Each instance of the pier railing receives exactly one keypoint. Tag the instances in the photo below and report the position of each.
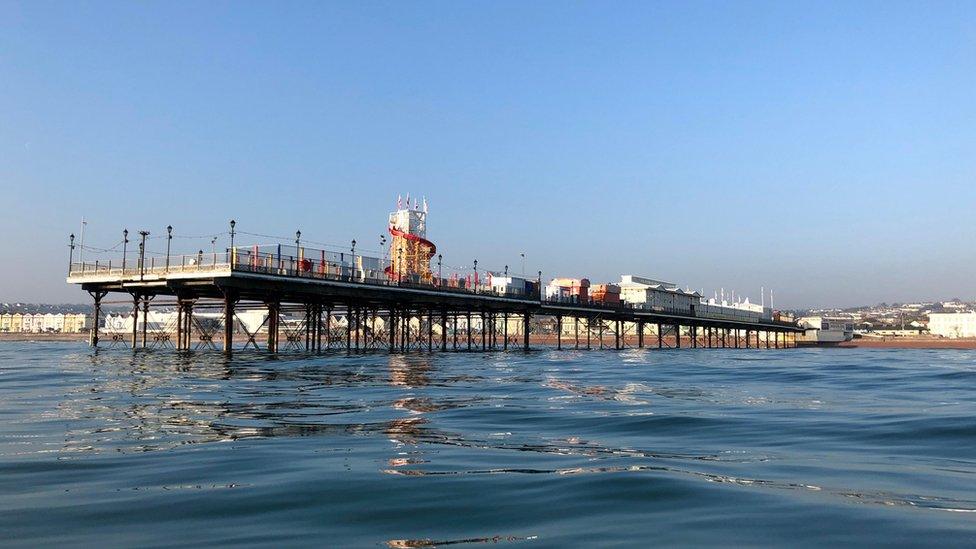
(350, 268)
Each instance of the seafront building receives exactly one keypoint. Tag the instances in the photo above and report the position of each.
(953, 325)
(36, 323)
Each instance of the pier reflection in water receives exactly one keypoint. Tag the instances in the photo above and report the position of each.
(436, 449)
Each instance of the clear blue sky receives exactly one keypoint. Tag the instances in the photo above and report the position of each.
(827, 150)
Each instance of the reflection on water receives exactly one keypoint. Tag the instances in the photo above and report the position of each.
(781, 424)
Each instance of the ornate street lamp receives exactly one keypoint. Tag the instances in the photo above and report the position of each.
(71, 252)
(125, 241)
(298, 241)
(440, 270)
(142, 252)
(169, 238)
(232, 225)
(475, 276)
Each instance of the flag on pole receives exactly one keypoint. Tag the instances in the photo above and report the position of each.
(399, 202)
(425, 204)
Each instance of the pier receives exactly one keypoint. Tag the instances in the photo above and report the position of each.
(318, 300)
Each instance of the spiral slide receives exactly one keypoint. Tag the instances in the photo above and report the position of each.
(415, 238)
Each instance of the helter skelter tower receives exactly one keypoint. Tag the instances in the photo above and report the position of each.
(410, 251)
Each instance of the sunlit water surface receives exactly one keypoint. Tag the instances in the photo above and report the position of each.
(719, 447)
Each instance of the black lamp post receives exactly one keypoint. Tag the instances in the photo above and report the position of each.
(440, 270)
(353, 250)
(475, 276)
(298, 242)
(142, 252)
(506, 271)
(540, 285)
(169, 238)
(125, 241)
(232, 225)
(383, 246)
(71, 251)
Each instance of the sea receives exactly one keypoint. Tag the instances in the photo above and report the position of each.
(631, 448)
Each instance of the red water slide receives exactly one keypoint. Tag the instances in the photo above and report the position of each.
(396, 232)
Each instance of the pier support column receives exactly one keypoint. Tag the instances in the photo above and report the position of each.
(145, 318)
(616, 335)
(576, 332)
(725, 332)
(640, 334)
(96, 317)
(349, 323)
(709, 337)
(748, 336)
(318, 328)
(274, 310)
(660, 337)
(559, 332)
(443, 329)
(228, 323)
(391, 329)
(135, 320)
(677, 336)
(469, 330)
(505, 330)
(694, 337)
(526, 318)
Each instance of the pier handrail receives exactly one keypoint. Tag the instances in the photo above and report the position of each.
(348, 268)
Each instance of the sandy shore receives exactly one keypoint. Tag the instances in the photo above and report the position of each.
(911, 343)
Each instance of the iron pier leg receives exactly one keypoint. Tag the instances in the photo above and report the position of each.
(145, 319)
(576, 332)
(188, 321)
(640, 334)
(391, 329)
(135, 321)
(660, 337)
(179, 324)
(483, 341)
(559, 332)
(525, 330)
(469, 330)
(273, 327)
(454, 334)
(677, 336)
(318, 329)
(443, 329)
(588, 336)
(748, 337)
(348, 328)
(228, 324)
(97, 297)
(359, 325)
(616, 335)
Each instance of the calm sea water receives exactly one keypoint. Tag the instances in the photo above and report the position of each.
(682, 447)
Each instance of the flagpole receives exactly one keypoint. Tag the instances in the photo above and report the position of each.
(81, 253)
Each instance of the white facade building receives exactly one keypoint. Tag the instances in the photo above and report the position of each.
(953, 325)
(647, 293)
